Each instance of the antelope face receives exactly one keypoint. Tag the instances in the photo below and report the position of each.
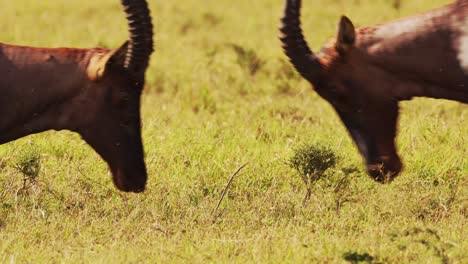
(369, 117)
(111, 106)
(114, 132)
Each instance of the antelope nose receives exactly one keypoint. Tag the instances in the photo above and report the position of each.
(130, 182)
(138, 190)
(134, 186)
(384, 169)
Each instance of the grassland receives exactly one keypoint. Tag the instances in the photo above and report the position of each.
(220, 93)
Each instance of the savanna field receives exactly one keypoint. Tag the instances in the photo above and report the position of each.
(219, 94)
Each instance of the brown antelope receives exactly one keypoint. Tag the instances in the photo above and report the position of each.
(363, 73)
(95, 92)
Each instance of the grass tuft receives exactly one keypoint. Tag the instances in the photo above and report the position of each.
(248, 59)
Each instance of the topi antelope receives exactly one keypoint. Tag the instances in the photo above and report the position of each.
(363, 73)
(94, 92)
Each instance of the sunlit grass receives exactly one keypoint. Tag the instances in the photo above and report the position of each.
(220, 93)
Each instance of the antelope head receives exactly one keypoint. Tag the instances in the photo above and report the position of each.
(342, 75)
(117, 77)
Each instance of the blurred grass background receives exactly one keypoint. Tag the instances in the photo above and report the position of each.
(221, 93)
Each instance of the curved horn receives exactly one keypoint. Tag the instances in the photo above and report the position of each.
(141, 35)
(294, 44)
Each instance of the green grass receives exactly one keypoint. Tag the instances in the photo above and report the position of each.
(221, 93)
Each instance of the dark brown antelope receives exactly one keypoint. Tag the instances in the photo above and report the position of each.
(95, 92)
(364, 73)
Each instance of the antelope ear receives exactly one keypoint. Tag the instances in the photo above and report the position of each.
(346, 35)
(100, 65)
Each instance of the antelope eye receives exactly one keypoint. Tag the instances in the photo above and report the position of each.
(119, 99)
(338, 93)
(123, 102)
(338, 97)
(341, 98)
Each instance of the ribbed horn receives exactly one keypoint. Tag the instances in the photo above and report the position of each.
(141, 35)
(294, 44)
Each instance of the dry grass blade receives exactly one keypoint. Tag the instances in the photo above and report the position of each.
(227, 186)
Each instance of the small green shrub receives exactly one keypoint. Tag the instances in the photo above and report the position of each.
(28, 163)
(311, 162)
